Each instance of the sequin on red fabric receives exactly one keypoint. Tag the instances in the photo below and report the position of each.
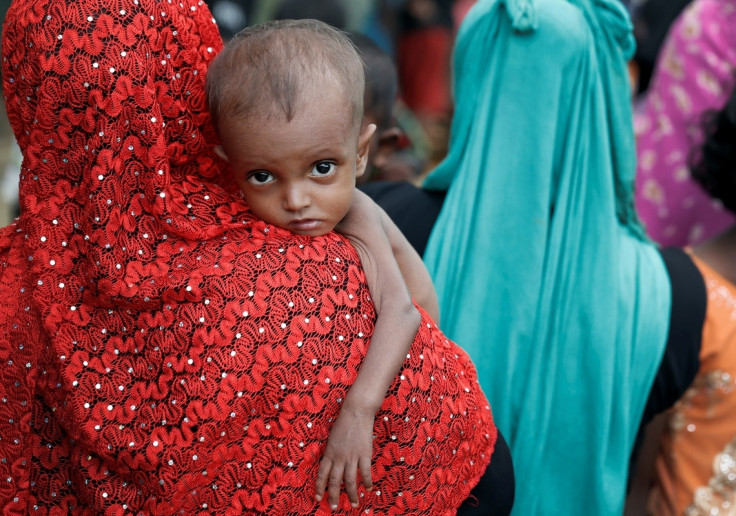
(161, 351)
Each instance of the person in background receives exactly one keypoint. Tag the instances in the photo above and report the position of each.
(652, 21)
(424, 38)
(696, 461)
(695, 72)
(392, 156)
(581, 329)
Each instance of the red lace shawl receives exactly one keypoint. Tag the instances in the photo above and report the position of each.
(162, 351)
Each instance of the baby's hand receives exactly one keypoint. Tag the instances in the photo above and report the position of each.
(349, 449)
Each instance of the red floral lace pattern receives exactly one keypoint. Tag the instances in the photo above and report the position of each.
(162, 351)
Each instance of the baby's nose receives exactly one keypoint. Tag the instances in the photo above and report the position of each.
(296, 199)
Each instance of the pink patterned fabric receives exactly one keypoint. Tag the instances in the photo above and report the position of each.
(694, 74)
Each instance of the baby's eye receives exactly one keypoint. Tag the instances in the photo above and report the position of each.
(323, 168)
(260, 177)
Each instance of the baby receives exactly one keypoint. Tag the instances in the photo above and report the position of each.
(287, 98)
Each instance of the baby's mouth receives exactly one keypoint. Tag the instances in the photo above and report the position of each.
(304, 225)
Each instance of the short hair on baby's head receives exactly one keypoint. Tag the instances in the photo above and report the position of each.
(264, 69)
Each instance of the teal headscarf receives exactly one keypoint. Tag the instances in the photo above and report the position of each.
(540, 263)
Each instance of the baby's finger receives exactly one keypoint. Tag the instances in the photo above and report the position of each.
(351, 484)
(364, 464)
(323, 474)
(333, 485)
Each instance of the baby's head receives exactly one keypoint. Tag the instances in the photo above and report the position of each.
(286, 98)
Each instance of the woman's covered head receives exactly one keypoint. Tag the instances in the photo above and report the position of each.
(110, 101)
(107, 104)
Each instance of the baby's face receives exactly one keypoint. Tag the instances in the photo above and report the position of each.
(299, 175)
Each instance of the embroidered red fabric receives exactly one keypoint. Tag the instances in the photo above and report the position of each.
(162, 351)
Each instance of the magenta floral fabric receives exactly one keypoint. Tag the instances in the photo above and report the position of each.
(694, 74)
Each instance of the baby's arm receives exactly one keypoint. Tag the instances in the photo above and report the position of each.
(412, 267)
(350, 445)
(414, 272)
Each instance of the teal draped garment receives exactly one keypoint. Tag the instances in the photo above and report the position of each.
(541, 267)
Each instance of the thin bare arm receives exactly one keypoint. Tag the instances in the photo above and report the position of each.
(412, 267)
(350, 445)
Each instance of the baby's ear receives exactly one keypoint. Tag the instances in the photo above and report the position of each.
(220, 151)
(364, 143)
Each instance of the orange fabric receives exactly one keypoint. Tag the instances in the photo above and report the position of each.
(698, 449)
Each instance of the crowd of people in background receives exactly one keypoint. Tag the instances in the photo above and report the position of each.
(417, 37)
(565, 170)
